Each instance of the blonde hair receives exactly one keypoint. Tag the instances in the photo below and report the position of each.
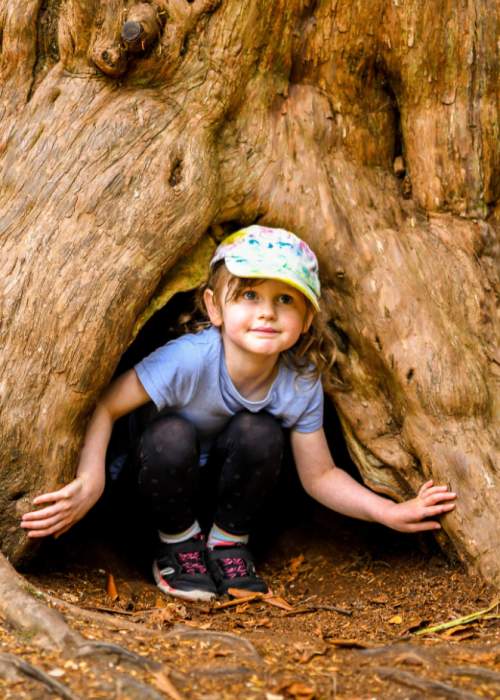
(315, 352)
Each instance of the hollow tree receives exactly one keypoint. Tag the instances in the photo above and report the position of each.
(134, 134)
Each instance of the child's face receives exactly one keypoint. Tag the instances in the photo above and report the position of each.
(266, 319)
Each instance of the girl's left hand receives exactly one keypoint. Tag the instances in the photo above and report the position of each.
(412, 516)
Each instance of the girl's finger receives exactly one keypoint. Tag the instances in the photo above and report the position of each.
(438, 497)
(50, 497)
(436, 510)
(42, 523)
(34, 534)
(423, 526)
(43, 513)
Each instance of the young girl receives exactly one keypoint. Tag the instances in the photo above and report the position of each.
(224, 396)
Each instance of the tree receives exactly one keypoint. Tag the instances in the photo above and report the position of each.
(132, 135)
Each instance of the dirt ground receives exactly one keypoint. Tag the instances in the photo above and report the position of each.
(348, 600)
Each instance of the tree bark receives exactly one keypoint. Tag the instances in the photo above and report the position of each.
(368, 127)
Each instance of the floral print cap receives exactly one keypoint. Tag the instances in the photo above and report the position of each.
(271, 253)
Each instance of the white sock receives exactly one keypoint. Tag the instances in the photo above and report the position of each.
(218, 536)
(192, 531)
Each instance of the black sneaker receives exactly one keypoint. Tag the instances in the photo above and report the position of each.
(181, 570)
(232, 567)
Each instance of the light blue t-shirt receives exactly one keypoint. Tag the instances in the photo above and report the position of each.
(189, 376)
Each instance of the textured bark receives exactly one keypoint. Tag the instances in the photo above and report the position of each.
(120, 159)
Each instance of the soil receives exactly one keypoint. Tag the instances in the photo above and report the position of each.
(348, 601)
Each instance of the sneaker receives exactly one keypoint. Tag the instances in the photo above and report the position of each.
(232, 567)
(181, 570)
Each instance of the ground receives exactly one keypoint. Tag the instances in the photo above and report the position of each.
(348, 599)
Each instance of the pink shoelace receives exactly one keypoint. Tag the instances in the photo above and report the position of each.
(192, 563)
(234, 567)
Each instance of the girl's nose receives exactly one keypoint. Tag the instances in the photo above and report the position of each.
(267, 309)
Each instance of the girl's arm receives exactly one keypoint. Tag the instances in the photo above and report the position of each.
(334, 488)
(70, 503)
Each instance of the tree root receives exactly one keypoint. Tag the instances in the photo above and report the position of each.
(483, 674)
(430, 687)
(22, 607)
(100, 649)
(221, 637)
(13, 668)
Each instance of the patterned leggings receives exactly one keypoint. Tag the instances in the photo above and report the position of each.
(242, 469)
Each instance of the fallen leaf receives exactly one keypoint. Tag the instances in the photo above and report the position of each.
(396, 620)
(310, 654)
(57, 672)
(164, 684)
(348, 643)
(382, 598)
(296, 563)
(301, 691)
(111, 589)
(242, 593)
(278, 602)
(157, 618)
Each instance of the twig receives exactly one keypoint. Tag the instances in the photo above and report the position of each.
(318, 608)
(9, 661)
(458, 621)
(429, 687)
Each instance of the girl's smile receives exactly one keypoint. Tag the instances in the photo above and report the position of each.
(264, 320)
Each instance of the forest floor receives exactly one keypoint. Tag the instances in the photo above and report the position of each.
(348, 599)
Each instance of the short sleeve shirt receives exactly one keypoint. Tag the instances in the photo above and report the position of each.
(189, 376)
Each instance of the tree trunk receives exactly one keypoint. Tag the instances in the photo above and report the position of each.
(132, 134)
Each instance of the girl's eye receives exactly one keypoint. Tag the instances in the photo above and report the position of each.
(249, 295)
(286, 299)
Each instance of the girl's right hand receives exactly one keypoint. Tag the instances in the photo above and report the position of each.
(67, 506)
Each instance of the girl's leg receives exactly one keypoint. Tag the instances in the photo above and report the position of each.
(167, 457)
(249, 453)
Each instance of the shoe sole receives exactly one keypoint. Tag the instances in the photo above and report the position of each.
(164, 586)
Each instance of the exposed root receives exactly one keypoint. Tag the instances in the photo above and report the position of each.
(232, 640)
(22, 607)
(100, 649)
(429, 687)
(484, 674)
(12, 668)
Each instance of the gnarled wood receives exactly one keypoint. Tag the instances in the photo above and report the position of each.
(288, 113)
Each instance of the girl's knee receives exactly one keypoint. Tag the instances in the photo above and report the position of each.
(171, 439)
(258, 434)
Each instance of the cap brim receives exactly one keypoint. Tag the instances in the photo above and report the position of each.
(240, 269)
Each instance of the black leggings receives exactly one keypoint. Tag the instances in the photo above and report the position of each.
(243, 467)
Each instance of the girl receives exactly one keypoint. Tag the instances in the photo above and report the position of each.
(224, 396)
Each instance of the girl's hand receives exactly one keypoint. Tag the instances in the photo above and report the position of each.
(67, 506)
(411, 516)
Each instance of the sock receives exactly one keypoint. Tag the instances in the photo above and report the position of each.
(192, 531)
(218, 537)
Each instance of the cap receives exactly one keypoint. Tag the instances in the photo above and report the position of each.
(271, 253)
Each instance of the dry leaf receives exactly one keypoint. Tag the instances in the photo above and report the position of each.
(396, 620)
(163, 683)
(309, 654)
(278, 602)
(242, 593)
(348, 643)
(382, 598)
(111, 589)
(300, 691)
